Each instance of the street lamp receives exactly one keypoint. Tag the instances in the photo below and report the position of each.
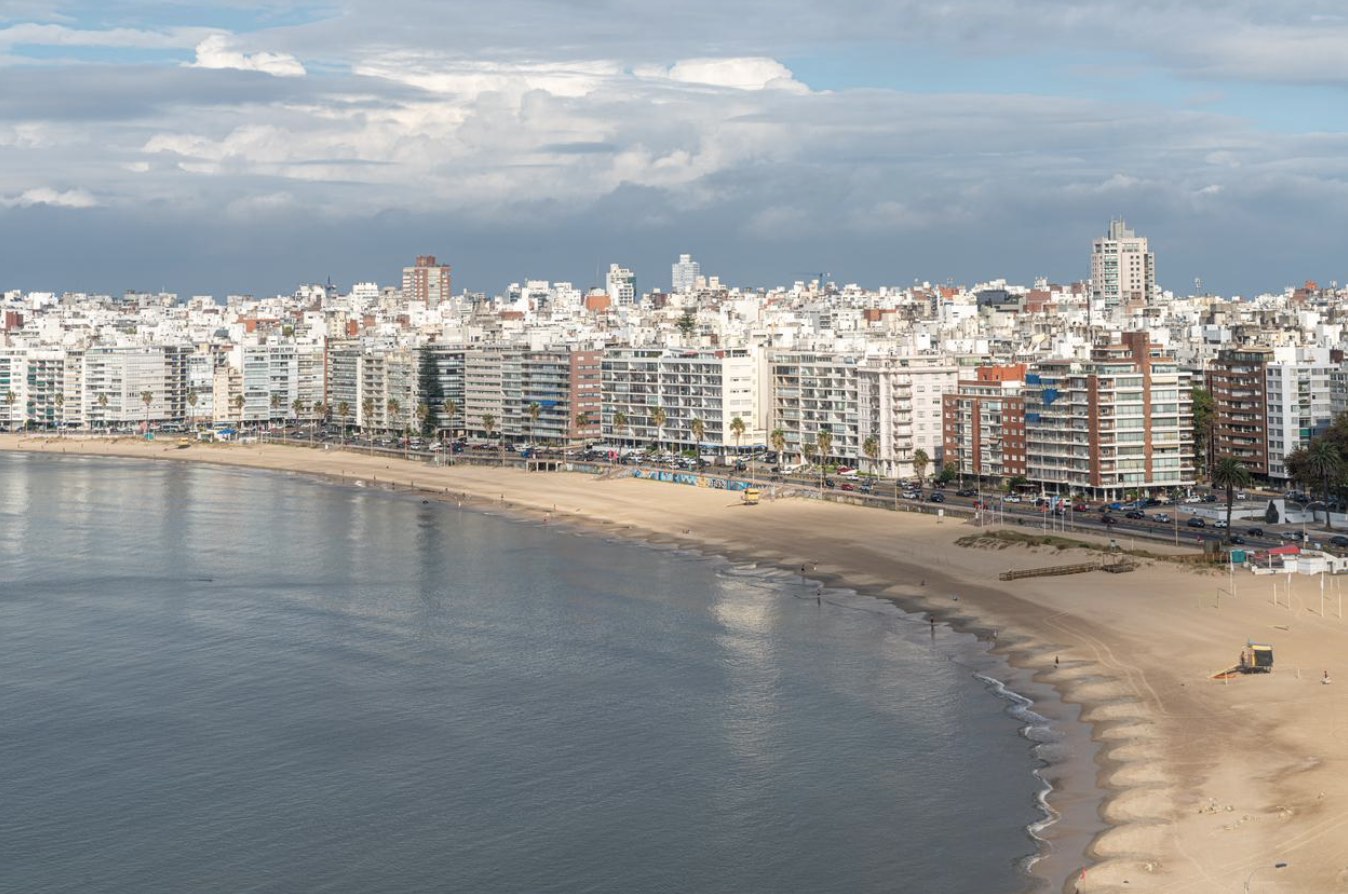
(1250, 878)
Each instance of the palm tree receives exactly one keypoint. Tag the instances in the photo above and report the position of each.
(737, 432)
(824, 443)
(275, 403)
(239, 401)
(394, 408)
(103, 409)
(535, 410)
(920, 461)
(698, 428)
(147, 398)
(60, 401)
(1230, 473)
(658, 418)
(343, 410)
(192, 404)
(367, 415)
(489, 425)
(582, 423)
(451, 409)
(871, 447)
(313, 423)
(778, 441)
(297, 407)
(1325, 464)
(10, 398)
(619, 420)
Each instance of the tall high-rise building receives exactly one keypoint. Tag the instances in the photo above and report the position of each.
(427, 282)
(621, 285)
(685, 274)
(1122, 269)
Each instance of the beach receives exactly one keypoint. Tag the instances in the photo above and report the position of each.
(1200, 782)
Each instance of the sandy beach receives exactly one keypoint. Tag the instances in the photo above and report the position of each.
(1194, 784)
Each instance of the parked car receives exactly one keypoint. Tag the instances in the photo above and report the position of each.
(1338, 540)
(1196, 523)
(1210, 498)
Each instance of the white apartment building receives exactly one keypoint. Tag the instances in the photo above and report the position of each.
(1300, 401)
(900, 404)
(128, 386)
(709, 387)
(621, 285)
(1122, 268)
(815, 392)
(684, 275)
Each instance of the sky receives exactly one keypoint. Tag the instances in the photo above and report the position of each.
(223, 146)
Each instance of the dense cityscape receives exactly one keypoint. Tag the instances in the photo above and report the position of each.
(1085, 387)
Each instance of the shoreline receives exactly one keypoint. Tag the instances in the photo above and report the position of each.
(1168, 743)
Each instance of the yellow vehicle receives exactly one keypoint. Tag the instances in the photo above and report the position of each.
(184, 442)
(749, 496)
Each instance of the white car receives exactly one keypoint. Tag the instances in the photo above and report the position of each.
(1219, 523)
(1010, 498)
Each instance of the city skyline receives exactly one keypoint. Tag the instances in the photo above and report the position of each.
(217, 148)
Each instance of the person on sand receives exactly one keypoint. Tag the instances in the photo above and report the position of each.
(1325, 678)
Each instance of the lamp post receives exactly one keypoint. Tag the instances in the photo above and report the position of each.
(1250, 878)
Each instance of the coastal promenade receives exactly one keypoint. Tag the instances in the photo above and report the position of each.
(1202, 782)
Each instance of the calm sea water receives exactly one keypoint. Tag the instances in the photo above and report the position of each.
(214, 680)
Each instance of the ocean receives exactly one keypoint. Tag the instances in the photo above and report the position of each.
(219, 680)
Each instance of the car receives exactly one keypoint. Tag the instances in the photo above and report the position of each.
(847, 485)
(1108, 520)
(936, 497)
(1254, 532)
(1193, 499)
(1219, 523)
(1196, 523)
(829, 482)
(1162, 518)
(966, 492)
(912, 495)
(1338, 540)
(1135, 513)
(1010, 498)
(1210, 498)
(1081, 507)
(1237, 540)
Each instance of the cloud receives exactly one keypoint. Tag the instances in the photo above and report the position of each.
(218, 51)
(48, 35)
(70, 198)
(740, 74)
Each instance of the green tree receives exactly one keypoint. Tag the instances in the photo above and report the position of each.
(1324, 464)
(192, 400)
(239, 401)
(824, 444)
(737, 429)
(534, 411)
(489, 425)
(698, 428)
(619, 421)
(344, 411)
(687, 323)
(147, 398)
(777, 439)
(297, 407)
(367, 419)
(103, 409)
(450, 416)
(10, 399)
(60, 401)
(583, 422)
(920, 463)
(1204, 412)
(658, 419)
(275, 403)
(1230, 473)
(871, 448)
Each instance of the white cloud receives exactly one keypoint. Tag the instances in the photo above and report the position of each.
(32, 33)
(70, 198)
(744, 73)
(218, 51)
